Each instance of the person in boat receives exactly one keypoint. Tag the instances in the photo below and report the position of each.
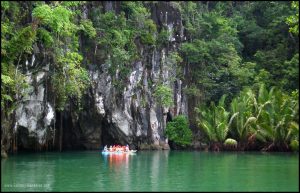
(110, 148)
(105, 148)
(127, 148)
(119, 148)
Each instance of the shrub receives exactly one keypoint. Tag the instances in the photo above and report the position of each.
(178, 131)
(163, 95)
(230, 142)
(294, 145)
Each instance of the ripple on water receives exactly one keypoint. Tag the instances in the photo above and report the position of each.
(151, 171)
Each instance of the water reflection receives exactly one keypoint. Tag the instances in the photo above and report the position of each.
(118, 171)
(115, 160)
(158, 169)
(143, 171)
(38, 172)
(152, 171)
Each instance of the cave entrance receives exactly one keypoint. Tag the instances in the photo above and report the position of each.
(30, 142)
(24, 142)
(67, 136)
(78, 133)
(169, 117)
(90, 132)
(106, 137)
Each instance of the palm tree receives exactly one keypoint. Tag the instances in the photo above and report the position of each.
(244, 121)
(293, 135)
(275, 112)
(214, 122)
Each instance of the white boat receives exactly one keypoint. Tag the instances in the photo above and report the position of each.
(118, 152)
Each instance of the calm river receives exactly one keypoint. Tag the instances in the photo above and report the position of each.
(151, 171)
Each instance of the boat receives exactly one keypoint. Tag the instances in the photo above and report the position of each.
(118, 152)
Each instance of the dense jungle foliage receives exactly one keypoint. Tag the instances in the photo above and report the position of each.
(242, 56)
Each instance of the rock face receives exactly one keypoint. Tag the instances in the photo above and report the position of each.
(132, 117)
(34, 112)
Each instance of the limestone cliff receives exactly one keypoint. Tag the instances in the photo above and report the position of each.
(130, 116)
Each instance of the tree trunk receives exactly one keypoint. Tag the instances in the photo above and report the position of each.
(16, 142)
(54, 126)
(61, 133)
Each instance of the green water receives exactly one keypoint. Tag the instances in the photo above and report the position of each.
(151, 171)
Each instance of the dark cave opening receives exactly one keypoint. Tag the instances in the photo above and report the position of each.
(24, 141)
(106, 137)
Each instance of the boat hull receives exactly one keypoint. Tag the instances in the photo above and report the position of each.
(118, 152)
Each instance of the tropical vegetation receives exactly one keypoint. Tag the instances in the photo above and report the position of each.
(178, 131)
(266, 120)
(238, 62)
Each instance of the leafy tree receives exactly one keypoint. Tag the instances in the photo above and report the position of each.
(293, 20)
(117, 37)
(267, 42)
(290, 74)
(163, 95)
(72, 80)
(59, 28)
(211, 52)
(16, 43)
(178, 131)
